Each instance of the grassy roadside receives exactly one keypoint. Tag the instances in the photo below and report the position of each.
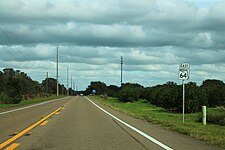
(212, 134)
(29, 101)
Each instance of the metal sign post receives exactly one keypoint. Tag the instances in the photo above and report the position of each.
(184, 73)
(183, 98)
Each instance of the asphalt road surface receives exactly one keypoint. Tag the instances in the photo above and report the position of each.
(75, 123)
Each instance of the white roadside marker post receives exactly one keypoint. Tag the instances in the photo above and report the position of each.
(204, 115)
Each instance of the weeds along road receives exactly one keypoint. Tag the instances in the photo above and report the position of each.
(78, 123)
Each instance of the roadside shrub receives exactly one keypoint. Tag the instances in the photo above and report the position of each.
(216, 118)
(4, 99)
(128, 94)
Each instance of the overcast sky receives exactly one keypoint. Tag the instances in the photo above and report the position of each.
(153, 36)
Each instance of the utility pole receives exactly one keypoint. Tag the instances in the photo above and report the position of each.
(67, 82)
(47, 83)
(57, 70)
(74, 89)
(121, 70)
(71, 85)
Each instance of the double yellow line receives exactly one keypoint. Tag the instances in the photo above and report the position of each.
(27, 129)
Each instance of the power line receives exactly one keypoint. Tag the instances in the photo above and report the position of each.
(12, 43)
(9, 53)
(6, 51)
(41, 31)
(14, 55)
(34, 15)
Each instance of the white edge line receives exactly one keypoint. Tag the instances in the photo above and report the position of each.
(133, 128)
(6, 112)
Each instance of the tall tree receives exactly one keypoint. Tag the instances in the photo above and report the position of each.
(215, 90)
(99, 87)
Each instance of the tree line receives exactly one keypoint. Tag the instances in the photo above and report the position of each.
(168, 96)
(16, 85)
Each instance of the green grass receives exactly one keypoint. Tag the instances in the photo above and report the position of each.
(29, 101)
(212, 134)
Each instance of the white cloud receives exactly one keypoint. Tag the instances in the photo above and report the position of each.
(204, 39)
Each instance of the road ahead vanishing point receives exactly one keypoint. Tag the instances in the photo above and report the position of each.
(79, 123)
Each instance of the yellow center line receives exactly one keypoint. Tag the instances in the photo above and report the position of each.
(13, 146)
(57, 113)
(27, 129)
(44, 123)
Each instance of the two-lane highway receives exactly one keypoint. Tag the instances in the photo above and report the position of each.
(81, 124)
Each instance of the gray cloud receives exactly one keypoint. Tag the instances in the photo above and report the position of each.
(153, 36)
